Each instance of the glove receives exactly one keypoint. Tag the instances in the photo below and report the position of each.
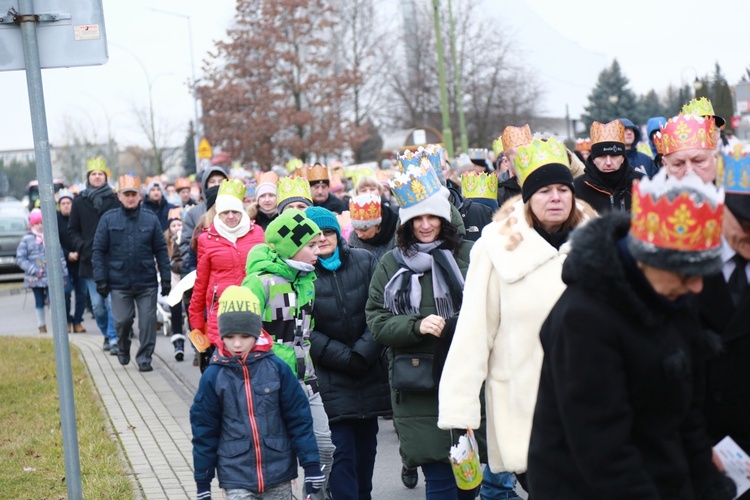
(165, 289)
(204, 491)
(102, 288)
(314, 479)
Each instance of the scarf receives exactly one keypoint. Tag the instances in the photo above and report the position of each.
(332, 263)
(403, 293)
(96, 195)
(39, 236)
(232, 234)
(302, 267)
(555, 239)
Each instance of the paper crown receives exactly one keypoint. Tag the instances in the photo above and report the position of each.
(417, 182)
(514, 137)
(433, 153)
(477, 153)
(613, 131)
(583, 144)
(701, 107)
(128, 182)
(317, 173)
(365, 211)
(232, 187)
(686, 132)
(63, 193)
(292, 187)
(250, 185)
(182, 183)
(644, 148)
(293, 165)
(497, 146)
(537, 154)
(174, 214)
(97, 163)
(269, 177)
(407, 160)
(356, 174)
(736, 174)
(482, 185)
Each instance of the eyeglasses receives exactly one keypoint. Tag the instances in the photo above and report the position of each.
(329, 232)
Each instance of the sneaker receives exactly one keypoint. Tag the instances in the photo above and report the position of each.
(113, 350)
(124, 359)
(179, 350)
(43, 329)
(145, 367)
(78, 328)
(106, 345)
(409, 477)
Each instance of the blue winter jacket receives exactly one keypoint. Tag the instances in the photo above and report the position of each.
(640, 162)
(30, 257)
(125, 245)
(251, 442)
(652, 125)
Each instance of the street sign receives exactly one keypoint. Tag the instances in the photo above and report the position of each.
(69, 33)
(204, 150)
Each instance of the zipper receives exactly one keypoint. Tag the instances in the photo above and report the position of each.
(253, 427)
(339, 295)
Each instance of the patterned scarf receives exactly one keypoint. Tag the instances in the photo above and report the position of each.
(403, 293)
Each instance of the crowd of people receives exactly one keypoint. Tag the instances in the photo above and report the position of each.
(584, 312)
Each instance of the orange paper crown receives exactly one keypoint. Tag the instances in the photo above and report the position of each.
(686, 132)
(269, 177)
(317, 173)
(515, 136)
(583, 144)
(679, 223)
(365, 211)
(128, 182)
(613, 131)
(182, 183)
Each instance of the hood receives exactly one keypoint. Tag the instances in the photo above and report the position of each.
(458, 221)
(637, 130)
(263, 259)
(652, 126)
(262, 346)
(207, 173)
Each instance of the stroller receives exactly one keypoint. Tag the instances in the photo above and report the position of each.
(164, 322)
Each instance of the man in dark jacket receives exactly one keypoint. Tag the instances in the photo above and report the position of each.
(74, 283)
(157, 203)
(618, 414)
(126, 242)
(639, 161)
(608, 177)
(320, 187)
(87, 209)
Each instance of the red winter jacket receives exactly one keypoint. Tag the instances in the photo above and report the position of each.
(220, 264)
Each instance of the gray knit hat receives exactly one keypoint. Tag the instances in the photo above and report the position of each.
(239, 312)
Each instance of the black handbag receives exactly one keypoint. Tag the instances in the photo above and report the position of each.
(413, 372)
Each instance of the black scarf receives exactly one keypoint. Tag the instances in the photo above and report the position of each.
(555, 239)
(387, 228)
(97, 195)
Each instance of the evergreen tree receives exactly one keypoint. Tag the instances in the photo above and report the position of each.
(702, 88)
(722, 97)
(189, 162)
(611, 98)
(674, 98)
(648, 107)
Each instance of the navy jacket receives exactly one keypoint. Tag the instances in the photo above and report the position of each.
(252, 444)
(161, 209)
(125, 245)
(641, 162)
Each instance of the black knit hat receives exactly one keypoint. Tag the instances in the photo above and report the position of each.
(552, 173)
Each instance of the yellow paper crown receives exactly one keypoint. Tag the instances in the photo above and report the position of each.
(293, 165)
(514, 137)
(232, 187)
(317, 173)
(482, 185)
(613, 131)
(497, 146)
(291, 187)
(702, 107)
(686, 132)
(537, 154)
(128, 182)
(97, 163)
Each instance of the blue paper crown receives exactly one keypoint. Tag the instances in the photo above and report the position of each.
(408, 159)
(736, 174)
(433, 153)
(478, 153)
(417, 183)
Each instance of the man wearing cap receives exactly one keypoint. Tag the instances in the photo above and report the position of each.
(74, 283)
(156, 202)
(608, 177)
(85, 213)
(618, 414)
(126, 243)
(724, 309)
(320, 185)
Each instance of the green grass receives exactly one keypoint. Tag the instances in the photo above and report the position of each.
(32, 464)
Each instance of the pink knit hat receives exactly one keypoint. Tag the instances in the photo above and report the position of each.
(35, 217)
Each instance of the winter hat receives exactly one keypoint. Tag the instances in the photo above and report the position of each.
(266, 184)
(152, 182)
(365, 211)
(239, 312)
(675, 224)
(418, 189)
(541, 163)
(607, 139)
(35, 217)
(323, 218)
(230, 196)
(289, 232)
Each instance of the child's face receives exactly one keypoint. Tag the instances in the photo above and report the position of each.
(309, 253)
(238, 344)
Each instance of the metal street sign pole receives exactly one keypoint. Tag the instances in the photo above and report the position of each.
(27, 20)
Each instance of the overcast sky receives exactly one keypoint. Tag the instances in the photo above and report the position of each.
(566, 43)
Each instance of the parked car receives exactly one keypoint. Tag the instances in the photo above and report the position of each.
(14, 224)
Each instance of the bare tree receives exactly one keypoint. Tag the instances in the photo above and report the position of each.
(83, 139)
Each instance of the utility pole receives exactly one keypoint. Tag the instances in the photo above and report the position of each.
(447, 133)
(457, 82)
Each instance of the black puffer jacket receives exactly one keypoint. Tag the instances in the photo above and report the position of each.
(352, 367)
(606, 195)
(84, 218)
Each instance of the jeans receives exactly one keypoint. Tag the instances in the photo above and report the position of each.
(102, 312)
(323, 437)
(124, 303)
(40, 297)
(75, 284)
(356, 442)
(497, 486)
(440, 484)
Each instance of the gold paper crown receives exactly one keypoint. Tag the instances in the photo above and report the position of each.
(292, 187)
(293, 165)
(482, 185)
(174, 214)
(232, 187)
(613, 131)
(497, 146)
(537, 154)
(702, 107)
(514, 137)
(583, 144)
(365, 208)
(269, 177)
(129, 182)
(317, 173)
(182, 183)
(97, 163)
(686, 132)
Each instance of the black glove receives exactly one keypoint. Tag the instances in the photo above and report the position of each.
(102, 288)
(314, 479)
(165, 289)
(204, 491)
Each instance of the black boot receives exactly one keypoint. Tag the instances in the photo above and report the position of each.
(179, 350)
(409, 477)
